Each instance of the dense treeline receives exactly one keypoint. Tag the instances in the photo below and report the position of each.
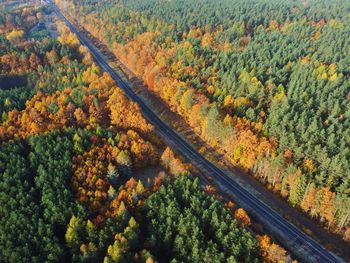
(71, 144)
(206, 13)
(21, 222)
(204, 229)
(265, 82)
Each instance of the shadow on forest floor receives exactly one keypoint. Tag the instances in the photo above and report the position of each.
(8, 82)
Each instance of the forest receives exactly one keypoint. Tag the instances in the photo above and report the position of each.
(264, 82)
(73, 154)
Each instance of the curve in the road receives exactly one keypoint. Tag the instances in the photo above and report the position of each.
(261, 210)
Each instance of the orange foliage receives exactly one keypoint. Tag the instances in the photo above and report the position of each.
(316, 35)
(12, 63)
(173, 164)
(126, 114)
(242, 216)
(273, 25)
(138, 53)
(128, 198)
(230, 205)
(272, 252)
(101, 103)
(327, 210)
(90, 181)
(245, 146)
(309, 201)
(158, 180)
(209, 189)
(288, 154)
(347, 235)
(149, 62)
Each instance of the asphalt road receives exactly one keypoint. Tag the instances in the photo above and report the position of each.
(308, 249)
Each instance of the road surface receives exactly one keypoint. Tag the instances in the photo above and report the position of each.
(308, 249)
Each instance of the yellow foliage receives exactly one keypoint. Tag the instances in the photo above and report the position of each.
(228, 120)
(309, 165)
(228, 101)
(316, 35)
(241, 101)
(211, 89)
(305, 60)
(15, 35)
(87, 57)
(207, 40)
(188, 44)
(217, 92)
(226, 46)
(289, 65)
(333, 77)
(324, 75)
(66, 36)
(161, 59)
(280, 96)
(286, 26)
(255, 80)
(39, 15)
(273, 25)
(336, 24)
(332, 69)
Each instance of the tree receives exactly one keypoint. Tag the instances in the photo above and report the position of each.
(309, 201)
(277, 254)
(15, 35)
(347, 235)
(111, 193)
(118, 252)
(140, 189)
(327, 206)
(124, 162)
(209, 189)
(91, 229)
(132, 233)
(242, 216)
(112, 172)
(125, 114)
(74, 232)
(297, 190)
(34, 61)
(80, 116)
(167, 157)
(52, 57)
(212, 126)
(186, 102)
(173, 164)
(184, 204)
(272, 252)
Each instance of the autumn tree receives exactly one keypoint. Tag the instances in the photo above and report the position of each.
(242, 216)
